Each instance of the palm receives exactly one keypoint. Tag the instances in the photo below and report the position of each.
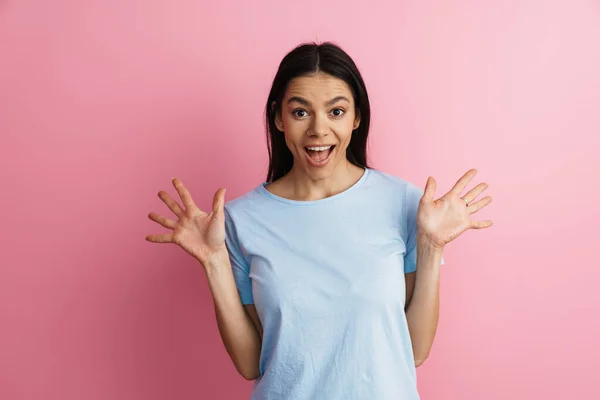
(446, 218)
(198, 233)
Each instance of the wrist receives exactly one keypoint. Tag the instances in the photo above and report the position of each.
(215, 259)
(426, 243)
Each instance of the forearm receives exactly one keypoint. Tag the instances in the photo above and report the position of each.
(422, 312)
(240, 336)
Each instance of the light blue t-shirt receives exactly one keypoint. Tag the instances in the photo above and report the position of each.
(327, 281)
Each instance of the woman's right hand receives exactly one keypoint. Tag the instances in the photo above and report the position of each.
(200, 234)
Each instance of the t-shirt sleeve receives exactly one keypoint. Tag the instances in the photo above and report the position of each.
(413, 197)
(239, 264)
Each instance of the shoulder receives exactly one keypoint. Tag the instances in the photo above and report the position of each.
(245, 203)
(397, 196)
(394, 183)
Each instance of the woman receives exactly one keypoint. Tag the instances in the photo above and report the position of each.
(325, 277)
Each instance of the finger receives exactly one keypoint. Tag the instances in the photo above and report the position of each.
(481, 224)
(479, 204)
(462, 183)
(185, 195)
(475, 192)
(219, 202)
(163, 238)
(429, 190)
(166, 222)
(172, 204)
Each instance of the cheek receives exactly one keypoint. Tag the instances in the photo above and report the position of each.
(293, 138)
(345, 133)
(294, 129)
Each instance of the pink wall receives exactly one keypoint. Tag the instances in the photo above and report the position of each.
(102, 102)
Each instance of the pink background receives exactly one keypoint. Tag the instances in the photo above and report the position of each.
(102, 102)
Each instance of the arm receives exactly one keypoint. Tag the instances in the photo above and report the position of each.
(439, 222)
(422, 299)
(238, 331)
(202, 235)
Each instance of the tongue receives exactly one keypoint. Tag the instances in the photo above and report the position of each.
(318, 156)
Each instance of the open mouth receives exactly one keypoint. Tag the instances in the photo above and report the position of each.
(319, 155)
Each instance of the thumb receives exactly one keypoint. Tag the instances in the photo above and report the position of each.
(219, 202)
(430, 187)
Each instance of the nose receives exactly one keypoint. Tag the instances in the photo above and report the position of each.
(319, 126)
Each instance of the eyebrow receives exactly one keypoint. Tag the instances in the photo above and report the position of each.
(307, 103)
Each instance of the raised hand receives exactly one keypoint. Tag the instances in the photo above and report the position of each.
(200, 234)
(446, 218)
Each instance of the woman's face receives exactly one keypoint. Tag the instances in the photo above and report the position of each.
(317, 117)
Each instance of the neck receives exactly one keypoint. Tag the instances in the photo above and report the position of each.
(303, 186)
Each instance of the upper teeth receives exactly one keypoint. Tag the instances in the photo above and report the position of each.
(321, 148)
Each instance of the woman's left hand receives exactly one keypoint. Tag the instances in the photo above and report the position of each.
(443, 220)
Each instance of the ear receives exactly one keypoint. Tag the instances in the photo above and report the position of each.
(278, 121)
(356, 120)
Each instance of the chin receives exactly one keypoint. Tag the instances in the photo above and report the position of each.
(321, 172)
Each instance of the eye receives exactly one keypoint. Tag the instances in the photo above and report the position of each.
(337, 112)
(299, 113)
